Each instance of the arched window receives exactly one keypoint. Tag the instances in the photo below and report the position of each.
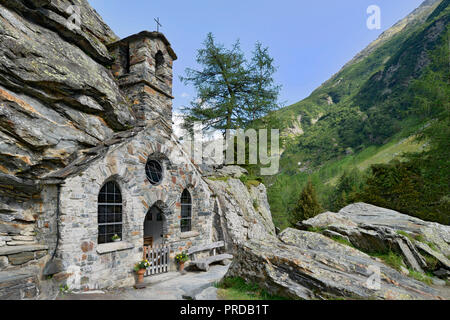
(109, 212)
(159, 64)
(186, 211)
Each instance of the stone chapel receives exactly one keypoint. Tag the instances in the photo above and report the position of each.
(92, 177)
(138, 185)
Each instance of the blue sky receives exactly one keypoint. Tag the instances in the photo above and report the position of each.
(309, 40)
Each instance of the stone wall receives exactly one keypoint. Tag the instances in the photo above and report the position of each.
(27, 228)
(143, 67)
(149, 103)
(15, 286)
(89, 265)
(27, 239)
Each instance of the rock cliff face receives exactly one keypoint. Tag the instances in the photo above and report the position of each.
(57, 94)
(57, 98)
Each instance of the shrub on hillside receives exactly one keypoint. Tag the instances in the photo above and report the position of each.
(347, 190)
(401, 186)
(307, 205)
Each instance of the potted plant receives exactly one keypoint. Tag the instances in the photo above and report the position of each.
(115, 238)
(181, 259)
(140, 269)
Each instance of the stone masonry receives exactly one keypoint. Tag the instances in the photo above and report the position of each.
(143, 67)
(90, 265)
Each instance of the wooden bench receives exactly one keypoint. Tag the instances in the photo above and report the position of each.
(203, 264)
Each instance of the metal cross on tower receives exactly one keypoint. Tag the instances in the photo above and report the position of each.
(158, 24)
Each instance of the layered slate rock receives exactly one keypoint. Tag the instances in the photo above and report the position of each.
(57, 94)
(74, 20)
(375, 229)
(307, 265)
(18, 286)
(58, 100)
(242, 212)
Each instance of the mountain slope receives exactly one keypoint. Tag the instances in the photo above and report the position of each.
(386, 94)
(349, 79)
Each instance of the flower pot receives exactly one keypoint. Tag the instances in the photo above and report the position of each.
(181, 266)
(117, 240)
(140, 274)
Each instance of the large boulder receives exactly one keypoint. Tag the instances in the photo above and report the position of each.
(242, 211)
(307, 265)
(375, 229)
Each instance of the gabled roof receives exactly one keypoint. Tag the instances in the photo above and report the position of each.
(87, 156)
(146, 34)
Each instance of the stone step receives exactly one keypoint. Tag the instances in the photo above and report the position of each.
(209, 293)
(190, 293)
(15, 285)
(4, 251)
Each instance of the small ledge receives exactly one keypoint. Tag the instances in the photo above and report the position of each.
(10, 276)
(7, 250)
(114, 246)
(190, 234)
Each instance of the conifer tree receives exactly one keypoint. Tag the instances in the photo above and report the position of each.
(346, 191)
(231, 90)
(307, 206)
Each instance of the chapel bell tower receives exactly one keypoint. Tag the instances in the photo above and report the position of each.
(143, 67)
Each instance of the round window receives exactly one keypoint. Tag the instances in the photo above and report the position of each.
(154, 171)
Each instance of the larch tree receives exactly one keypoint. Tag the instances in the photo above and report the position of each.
(231, 91)
(307, 205)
